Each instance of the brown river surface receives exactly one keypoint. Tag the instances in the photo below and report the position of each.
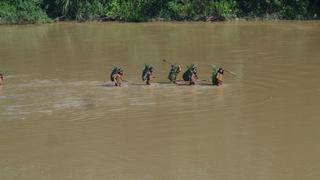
(61, 118)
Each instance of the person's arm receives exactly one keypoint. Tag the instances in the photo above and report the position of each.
(196, 77)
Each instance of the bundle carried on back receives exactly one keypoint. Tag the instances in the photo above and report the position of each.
(173, 72)
(114, 71)
(145, 71)
(188, 73)
(214, 70)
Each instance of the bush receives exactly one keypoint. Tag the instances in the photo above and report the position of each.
(22, 11)
(7, 13)
(225, 9)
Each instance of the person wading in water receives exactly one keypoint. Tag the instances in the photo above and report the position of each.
(217, 77)
(194, 77)
(147, 74)
(190, 75)
(117, 76)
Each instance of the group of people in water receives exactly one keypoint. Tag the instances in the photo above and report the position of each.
(190, 75)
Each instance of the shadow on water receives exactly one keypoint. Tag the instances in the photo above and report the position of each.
(106, 85)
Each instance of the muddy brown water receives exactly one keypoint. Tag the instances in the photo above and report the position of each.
(60, 117)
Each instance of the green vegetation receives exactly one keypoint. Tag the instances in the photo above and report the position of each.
(41, 11)
(22, 11)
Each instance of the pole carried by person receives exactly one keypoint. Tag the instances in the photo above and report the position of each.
(166, 61)
(230, 72)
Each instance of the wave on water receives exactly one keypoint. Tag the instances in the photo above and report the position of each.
(239, 51)
(2, 97)
(17, 76)
(47, 96)
(40, 83)
(55, 83)
(70, 102)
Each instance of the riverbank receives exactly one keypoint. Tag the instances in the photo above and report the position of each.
(47, 11)
(246, 19)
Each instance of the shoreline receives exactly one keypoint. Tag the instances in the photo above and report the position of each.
(238, 20)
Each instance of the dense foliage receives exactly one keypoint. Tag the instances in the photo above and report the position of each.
(22, 11)
(37, 11)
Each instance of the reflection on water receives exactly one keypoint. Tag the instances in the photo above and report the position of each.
(60, 117)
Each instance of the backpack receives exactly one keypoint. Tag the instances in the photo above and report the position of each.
(214, 74)
(173, 73)
(188, 73)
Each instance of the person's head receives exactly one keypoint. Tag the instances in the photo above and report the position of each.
(120, 72)
(1, 76)
(151, 69)
(194, 69)
(221, 70)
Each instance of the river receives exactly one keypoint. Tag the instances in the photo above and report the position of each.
(61, 117)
